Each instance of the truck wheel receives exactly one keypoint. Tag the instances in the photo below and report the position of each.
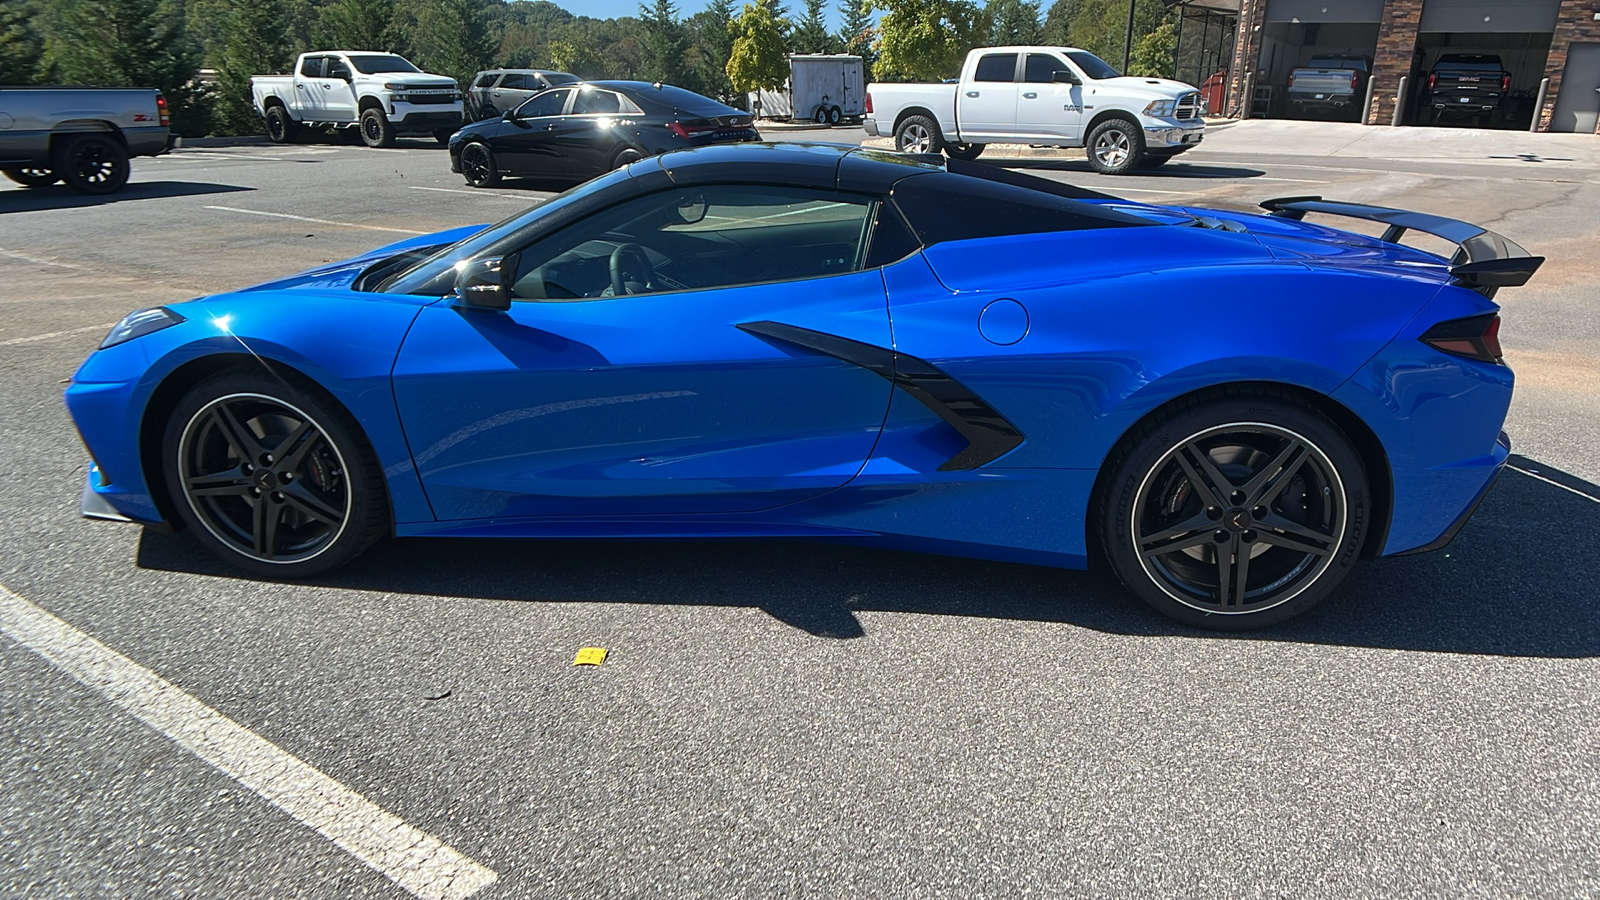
(834, 115)
(918, 134)
(1115, 147)
(963, 151)
(92, 163)
(821, 118)
(280, 128)
(33, 177)
(375, 129)
(477, 165)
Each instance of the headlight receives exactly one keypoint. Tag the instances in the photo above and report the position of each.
(139, 323)
(1161, 109)
(391, 86)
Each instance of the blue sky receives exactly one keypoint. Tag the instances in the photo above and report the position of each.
(611, 9)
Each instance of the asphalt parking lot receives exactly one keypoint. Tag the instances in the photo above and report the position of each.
(780, 719)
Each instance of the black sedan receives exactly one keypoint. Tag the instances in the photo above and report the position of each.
(574, 132)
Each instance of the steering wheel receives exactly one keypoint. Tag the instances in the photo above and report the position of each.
(629, 257)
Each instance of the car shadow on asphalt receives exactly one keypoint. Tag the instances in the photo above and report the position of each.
(60, 196)
(1517, 581)
(1172, 169)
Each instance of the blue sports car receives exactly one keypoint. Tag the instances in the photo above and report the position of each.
(805, 341)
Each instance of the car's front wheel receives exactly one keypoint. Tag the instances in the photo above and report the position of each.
(272, 475)
(376, 130)
(1115, 147)
(1236, 513)
(32, 177)
(478, 165)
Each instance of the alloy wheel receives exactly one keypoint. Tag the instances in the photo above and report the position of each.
(264, 478)
(1112, 148)
(475, 164)
(1239, 518)
(915, 139)
(93, 163)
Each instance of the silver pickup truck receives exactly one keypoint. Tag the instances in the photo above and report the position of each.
(83, 136)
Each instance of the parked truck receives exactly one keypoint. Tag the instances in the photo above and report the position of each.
(380, 94)
(1330, 85)
(1467, 86)
(1055, 96)
(83, 136)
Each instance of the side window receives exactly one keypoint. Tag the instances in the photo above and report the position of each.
(695, 238)
(336, 68)
(892, 239)
(311, 67)
(997, 67)
(1041, 68)
(594, 102)
(549, 103)
(515, 81)
(486, 79)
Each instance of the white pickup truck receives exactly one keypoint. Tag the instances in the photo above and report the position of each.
(380, 93)
(1049, 96)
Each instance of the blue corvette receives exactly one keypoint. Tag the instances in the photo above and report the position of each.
(802, 341)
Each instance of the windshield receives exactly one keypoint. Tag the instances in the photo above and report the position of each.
(377, 65)
(436, 276)
(1092, 66)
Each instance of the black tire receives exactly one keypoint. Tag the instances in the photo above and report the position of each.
(310, 500)
(376, 131)
(280, 128)
(478, 166)
(821, 116)
(835, 115)
(33, 176)
(918, 134)
(442, 135)
(625, 156)
(92, 163)
(1261, 472)
(964, 151)
(1115, 147)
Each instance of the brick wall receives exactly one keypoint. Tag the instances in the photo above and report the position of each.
(1576, 24)
(1397, 43)
(1246, 55)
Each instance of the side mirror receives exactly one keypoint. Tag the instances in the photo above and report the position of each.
(481, 284)
(1062, 76)
(509, 114)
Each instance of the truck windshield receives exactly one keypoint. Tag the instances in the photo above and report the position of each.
(1337, 62)
(1092, 66)
(377, 65)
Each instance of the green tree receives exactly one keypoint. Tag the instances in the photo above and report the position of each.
(926, 39)
(21, 46)
(810, 34)
(1058, 23)
(856, 33)
(757, 60)
(449, 37)
(710, 33)
(257, 42)
(665, 44)
(128, 43)
(357, 25)
(1013, 22)
(1101, 26)
(1155, 55)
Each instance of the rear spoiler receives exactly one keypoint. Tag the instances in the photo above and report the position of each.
(1483, 260)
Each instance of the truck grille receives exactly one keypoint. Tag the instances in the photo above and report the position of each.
(1189, 106)
(440, 97)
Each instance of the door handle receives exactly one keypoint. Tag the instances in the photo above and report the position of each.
(550, 127)
(972, 93)
(1031, 95)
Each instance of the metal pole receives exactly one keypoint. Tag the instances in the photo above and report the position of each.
(1248, 103)
(1538, 106)
(1177, 49)
(1366, 111)
(1400, 100)
(1127, 43)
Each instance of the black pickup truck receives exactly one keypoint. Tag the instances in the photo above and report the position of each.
(1467, 86)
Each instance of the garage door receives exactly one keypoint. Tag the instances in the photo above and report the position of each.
(1578, 107)
(1325, 10)
(1490, 15)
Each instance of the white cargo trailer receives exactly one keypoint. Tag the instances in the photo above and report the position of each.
(822, 87)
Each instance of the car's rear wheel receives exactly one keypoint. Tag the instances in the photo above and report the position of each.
(918, 134)
(280, 128)
(376, 131)
(272, 475)
(1236, 513)
(33, 177)
(92, 163)
(625, 156)
(478, 165)
(1115, 147)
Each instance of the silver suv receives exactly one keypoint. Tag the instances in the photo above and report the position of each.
(494, 91)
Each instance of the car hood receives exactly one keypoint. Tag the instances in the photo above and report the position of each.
(341, 274)
(1146, 88)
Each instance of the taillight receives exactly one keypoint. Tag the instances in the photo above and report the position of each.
(161, 107)
(1433, 78)
(869, 103)
(1291, 79)
(686, 131)
(1505, 82)
(1475, 338)
(1353, 75)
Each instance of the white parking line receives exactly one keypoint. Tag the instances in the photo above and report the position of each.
(55, 334)
(34, 259)
(277, 215)
(413, 859)
(418, 187)
(1556, 483)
